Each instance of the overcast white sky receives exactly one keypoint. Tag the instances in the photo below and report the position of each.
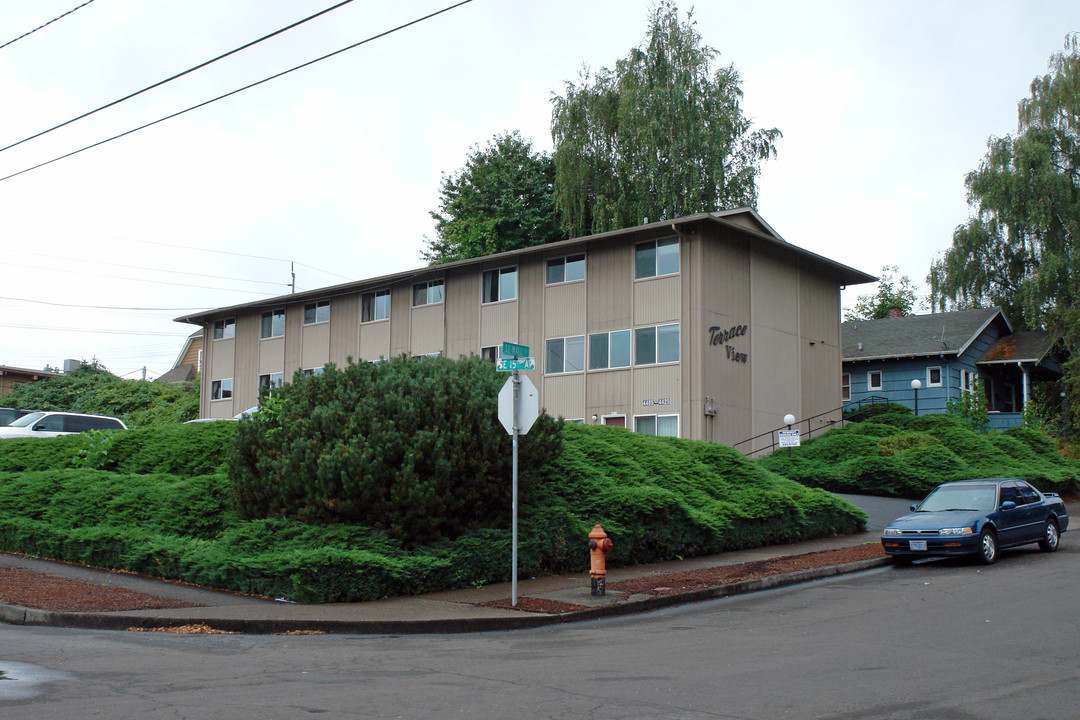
(884, 108)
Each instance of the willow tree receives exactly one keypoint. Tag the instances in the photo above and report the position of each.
(660, 136)
(1021, 247)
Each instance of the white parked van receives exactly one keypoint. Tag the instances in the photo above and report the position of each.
(51, 424)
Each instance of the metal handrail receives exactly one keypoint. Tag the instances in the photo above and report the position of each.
(846, 413)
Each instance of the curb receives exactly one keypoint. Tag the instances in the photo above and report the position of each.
(15, 615)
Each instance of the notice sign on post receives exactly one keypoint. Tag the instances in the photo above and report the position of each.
(789, 438)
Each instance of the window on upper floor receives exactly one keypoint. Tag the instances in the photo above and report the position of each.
(317, 312)
(609, 350)
(427, 293)
(565, 355)
(500, 285)
(375, 306)
(656, 257)
(224, 329)
(653, 345)
(565, 269)
(272, 324)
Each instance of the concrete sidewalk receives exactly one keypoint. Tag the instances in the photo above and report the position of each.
(444, 612)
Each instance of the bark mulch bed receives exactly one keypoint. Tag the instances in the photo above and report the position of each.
(46, 592)
(690, 580)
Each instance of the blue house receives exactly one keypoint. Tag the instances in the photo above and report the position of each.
(949, 354)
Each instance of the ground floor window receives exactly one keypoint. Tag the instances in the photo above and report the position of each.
(662, 425)
(933, 376)
(313, 372)
(968, 380)
(873, 380)
(490, 353)
(845, 386)
(271, 382)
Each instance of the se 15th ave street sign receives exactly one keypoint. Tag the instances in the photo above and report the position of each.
(506, 364)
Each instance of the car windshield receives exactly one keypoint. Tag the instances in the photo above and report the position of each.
(959, 497)
(27, 420)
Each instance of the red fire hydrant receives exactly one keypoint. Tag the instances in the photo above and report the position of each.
(599, 543)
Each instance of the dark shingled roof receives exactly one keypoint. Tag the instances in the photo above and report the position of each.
(1028, 346)
(936, 334)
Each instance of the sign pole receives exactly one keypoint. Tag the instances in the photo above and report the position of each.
(514, 503)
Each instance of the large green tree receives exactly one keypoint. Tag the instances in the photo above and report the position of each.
(661, 135)
(501, 200)
(1021, 248)
(890, 293)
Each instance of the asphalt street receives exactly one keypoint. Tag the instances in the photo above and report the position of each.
(942, 639)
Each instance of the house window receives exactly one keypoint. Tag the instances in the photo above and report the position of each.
(873, 380)
(609, 350)
(500, 284)
(565, 355)
(270, 382)
(272, 324)
(313, 372)
(426, 356)
(427, 293)
(565, 269)
(375, 306)
(658, 344)
(221, 389)
(490, 353)
(845, 386)
(317, 312)
(662, 425)
(968, 380)
(224, 329)
(656, 257)
(933, 376)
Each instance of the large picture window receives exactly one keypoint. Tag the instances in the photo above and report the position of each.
(653, 345)
(500, 284)
(375, 306)
(656, 257)
(662, 425)
(609, 350)
(565, 355)
(565, 269)
(272, 324)
(317, 312)
(427, 293)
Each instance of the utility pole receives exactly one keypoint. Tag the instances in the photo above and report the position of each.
(292, 270)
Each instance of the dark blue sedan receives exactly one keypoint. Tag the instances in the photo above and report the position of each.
(977, 518)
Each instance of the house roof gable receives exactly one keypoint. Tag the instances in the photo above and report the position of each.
(935, 334)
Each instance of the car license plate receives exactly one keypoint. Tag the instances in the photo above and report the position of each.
(916, 544)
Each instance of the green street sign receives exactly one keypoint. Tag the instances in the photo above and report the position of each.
(508, 364)
(510, 350)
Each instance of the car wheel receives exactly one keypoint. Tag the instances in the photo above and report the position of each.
(988, 547)
(1051, 536)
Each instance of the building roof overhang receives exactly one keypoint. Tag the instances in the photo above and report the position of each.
(745, 221)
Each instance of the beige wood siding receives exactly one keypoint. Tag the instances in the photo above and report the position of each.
(223, 360)
(345, 328)
(657, 300)
(463, 314)
(564, 310)
(271, 355)
(246, 373)
(609, 392)
(656, 385)
(316, 346)
(564, 395)
(499, 323)
(375, 340)
(294, 319)
(609, 275)
(426, 334)
(401, 318)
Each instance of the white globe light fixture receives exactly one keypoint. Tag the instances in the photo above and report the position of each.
(789, 420)
(915, 385)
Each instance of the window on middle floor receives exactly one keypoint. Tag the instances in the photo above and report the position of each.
(609, 350)
(500, 285)
(654, 345)
(565, 355)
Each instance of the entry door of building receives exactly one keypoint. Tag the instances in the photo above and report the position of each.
(615, 421)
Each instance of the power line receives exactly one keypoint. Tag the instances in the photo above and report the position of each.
(239, 90)
(101, 307)
(150, 269)
(133, 279)
(178, 75)
(9, 42)
(94, 330)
